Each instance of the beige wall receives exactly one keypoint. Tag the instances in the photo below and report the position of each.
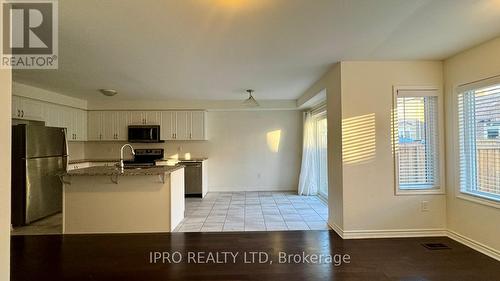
(331, 82)
(5, 147)
(470, 219)
(361, 166)
(368, 170)
(247, 150)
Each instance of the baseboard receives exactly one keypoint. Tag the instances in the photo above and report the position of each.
(493, 253)
(402, 233)
(251, 188)
(393, 233)
(337, 229)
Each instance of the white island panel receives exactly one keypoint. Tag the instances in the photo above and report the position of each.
(136, 204)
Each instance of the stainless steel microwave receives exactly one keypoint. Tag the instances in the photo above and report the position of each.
(144, 133)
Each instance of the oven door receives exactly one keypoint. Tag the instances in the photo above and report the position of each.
(144, 133)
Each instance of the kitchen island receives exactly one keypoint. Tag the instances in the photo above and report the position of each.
(111, 200)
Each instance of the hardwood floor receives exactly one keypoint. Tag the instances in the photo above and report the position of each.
(127, 257)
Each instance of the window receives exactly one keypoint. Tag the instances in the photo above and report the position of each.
(479, 141)
(322, 146)
(416, 141)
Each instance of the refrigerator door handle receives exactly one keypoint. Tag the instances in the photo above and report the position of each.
(66, 152)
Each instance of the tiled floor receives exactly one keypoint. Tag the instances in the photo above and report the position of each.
(254, 211)
(48, 225)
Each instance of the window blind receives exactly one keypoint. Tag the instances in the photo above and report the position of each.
(479, 141)
(417, 142)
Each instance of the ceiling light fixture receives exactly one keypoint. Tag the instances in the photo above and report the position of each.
(250, 102)
(108, 92)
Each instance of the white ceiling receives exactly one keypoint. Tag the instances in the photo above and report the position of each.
(214, 49)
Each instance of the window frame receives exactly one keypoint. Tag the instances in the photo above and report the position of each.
(467, 195)
(319, 112)
(320, 116)
(419, 91)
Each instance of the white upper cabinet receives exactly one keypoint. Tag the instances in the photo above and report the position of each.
(167, 126)
(28, 109)
(73, 119)
(16, 112)
(136, 118)
(52, 114)
(94, 125)
(198, 125)
(85, 125)
(183, 125)
(81, 125)
(152, 117)
(75, 122)
(107, 125)
(121, 125)
(144, 118)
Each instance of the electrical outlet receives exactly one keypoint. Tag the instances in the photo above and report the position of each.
(424, 206)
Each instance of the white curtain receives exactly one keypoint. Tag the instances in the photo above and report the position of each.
(309, 180)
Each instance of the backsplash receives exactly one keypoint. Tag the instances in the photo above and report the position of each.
(76, 150)
(173, 149)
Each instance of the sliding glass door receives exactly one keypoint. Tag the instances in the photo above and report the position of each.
(322, 148)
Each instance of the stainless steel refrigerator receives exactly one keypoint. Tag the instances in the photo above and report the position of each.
(39, 154)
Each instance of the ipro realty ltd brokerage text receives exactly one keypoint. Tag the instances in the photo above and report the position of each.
(261, 257)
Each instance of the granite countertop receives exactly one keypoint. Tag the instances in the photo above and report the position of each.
(194, 159)
(114, 171)
(77, 161)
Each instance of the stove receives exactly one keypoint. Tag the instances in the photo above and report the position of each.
(146, 157)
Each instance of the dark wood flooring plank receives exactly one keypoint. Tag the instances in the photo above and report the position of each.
(126, 257)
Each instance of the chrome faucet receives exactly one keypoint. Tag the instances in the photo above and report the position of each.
(121, 154)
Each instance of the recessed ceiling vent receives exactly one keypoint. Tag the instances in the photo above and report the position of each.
(436, 246)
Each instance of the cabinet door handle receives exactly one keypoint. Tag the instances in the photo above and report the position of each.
(190, 135)
(22, 113)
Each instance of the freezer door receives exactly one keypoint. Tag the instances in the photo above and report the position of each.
(44, 141)
(43, 187)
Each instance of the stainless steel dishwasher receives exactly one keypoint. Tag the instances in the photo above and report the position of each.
(192, 178)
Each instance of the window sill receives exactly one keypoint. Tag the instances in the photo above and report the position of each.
(420, 192)
(476, 198)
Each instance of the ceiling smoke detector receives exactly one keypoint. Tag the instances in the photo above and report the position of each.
(108, 92)
(250, 102)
